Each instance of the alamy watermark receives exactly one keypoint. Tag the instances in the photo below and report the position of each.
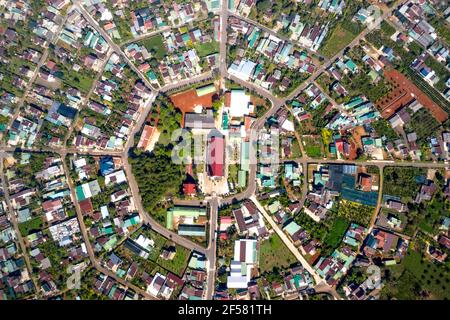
(216, 147)
(74, 280)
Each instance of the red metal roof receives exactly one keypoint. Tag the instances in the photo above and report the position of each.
(216, 156)
(189, 188)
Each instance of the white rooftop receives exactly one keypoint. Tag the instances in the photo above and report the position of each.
(242, 71)
(250, 250)
(240, 104)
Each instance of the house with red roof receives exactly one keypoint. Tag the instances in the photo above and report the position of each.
(189, 189)
(189, 186)
(86, 207)
(216, 156)
(365, 182)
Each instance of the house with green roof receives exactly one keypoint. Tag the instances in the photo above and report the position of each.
(131, 221)
(184, 211)
(274, 207)
(212, 5)
(268, 182)
(353, 103)
(197, 261)
(87, 190)
(111, 243)
(290, 173)
(373, 75)
(292, 228)
(192, 230)
(242, 179)
(151, 75)
(208, 89)
(231, 4)
(245, 156)
(187, 220)
(351, 65)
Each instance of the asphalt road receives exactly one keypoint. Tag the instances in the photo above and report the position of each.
(178, 85)
(160, 30)
(155, 225)
(89, 249)
(41, 62)
(213, 202)
(111, 43)
(15, 224)
(278, 103)
(273, 33)
(211, 250)
(88, 96)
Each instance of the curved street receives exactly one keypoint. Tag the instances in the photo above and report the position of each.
(213, 202)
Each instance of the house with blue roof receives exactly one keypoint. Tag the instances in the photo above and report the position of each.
(106, 165)
(351, 65)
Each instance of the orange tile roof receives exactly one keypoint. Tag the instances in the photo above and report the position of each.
(146, 136)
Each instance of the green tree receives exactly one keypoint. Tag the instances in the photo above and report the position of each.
(263, 5)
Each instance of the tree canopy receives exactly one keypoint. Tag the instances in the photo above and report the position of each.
(263, 5)
(156, 176)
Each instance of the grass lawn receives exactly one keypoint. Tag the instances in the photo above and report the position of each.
(383, 128)
(158, 239)
(426, 227)
(339, 38)
(429, 217)
(295, 149)
(406, 287)
(124, 29)
(233, 172)
(327, 139)
(15, 63)
(155, 44)
(334, 237)
(80, 80)
(416, 274)
(401, 182)
(207, 48)
(273, 253)
(178, 263)
(313, 147)
(232, 85)
(32, 225)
